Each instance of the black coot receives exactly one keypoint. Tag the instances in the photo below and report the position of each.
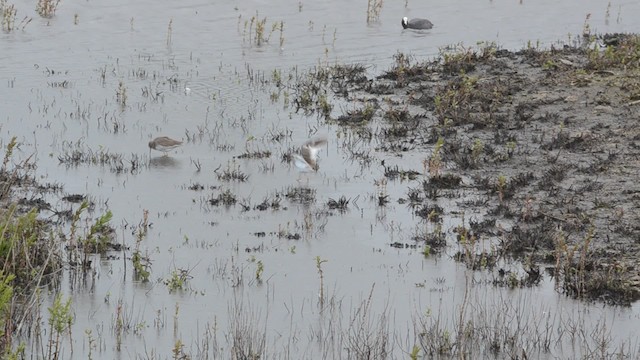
(419, 24)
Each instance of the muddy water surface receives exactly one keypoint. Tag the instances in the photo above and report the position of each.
(107, 78)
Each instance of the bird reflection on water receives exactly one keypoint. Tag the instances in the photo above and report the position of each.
(163, 162)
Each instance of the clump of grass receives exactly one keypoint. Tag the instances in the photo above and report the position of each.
(177, 280)
(324, 106)
(501, 186)
(342, 204)
(426, 251)
(259, 269)
(8, 12)
(141, 264)
(586, 28)
(434, 241)
(358, 116)
(60, 321)
(12, 178)
(311, 91)
(414, 196)
(431, 213)
(197, 164)
(458, 61)
(477, 150)
(396, 115)
(285, 233)
(319, 263)
(119, 325)
(280, 27)
(404, 69)
(580, 273)
(622, 52)
(247, 332)
(381, 197)
(6, 296)
(99, 236)
(368, 335)
(256, 154)
(260, 25)
(91, 342)
(515, 279)
(434, 163)
(301, 194)
(47, 8)
(373, 10)
(98, 239)
(269, 203)
(433, 185)
(473, 253)
(121, 94)
(415, 352)
(394, 172)
(178, 350)
(74, 154)
(398, 132)
(226, 197)
(231, 173)
(255, 29)
(276, 77)
(25, 251)
(344, 76)
(453, 102)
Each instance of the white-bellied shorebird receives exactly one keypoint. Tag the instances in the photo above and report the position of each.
(307, 159)
(164, 144)
(417, 24)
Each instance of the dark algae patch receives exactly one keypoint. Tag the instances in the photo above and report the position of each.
(541, 146)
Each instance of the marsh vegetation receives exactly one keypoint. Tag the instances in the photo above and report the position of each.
(475, 203)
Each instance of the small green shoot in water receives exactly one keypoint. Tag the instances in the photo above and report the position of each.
(426, 251)
(319, 263)
(414, 352)
(177, 280)
(259, 270)
(60, 320)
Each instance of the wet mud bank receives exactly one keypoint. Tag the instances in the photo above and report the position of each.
(537, 151)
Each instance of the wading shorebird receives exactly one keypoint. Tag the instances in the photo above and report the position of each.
(307, 159)
(418, 24)
(164, 144)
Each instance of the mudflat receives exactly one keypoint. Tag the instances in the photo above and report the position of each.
(538, 150)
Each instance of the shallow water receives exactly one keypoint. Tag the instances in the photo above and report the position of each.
(58, 92)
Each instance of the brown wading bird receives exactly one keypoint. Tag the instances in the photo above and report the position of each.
(417, 24)
(307, 159)
(164, 144)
